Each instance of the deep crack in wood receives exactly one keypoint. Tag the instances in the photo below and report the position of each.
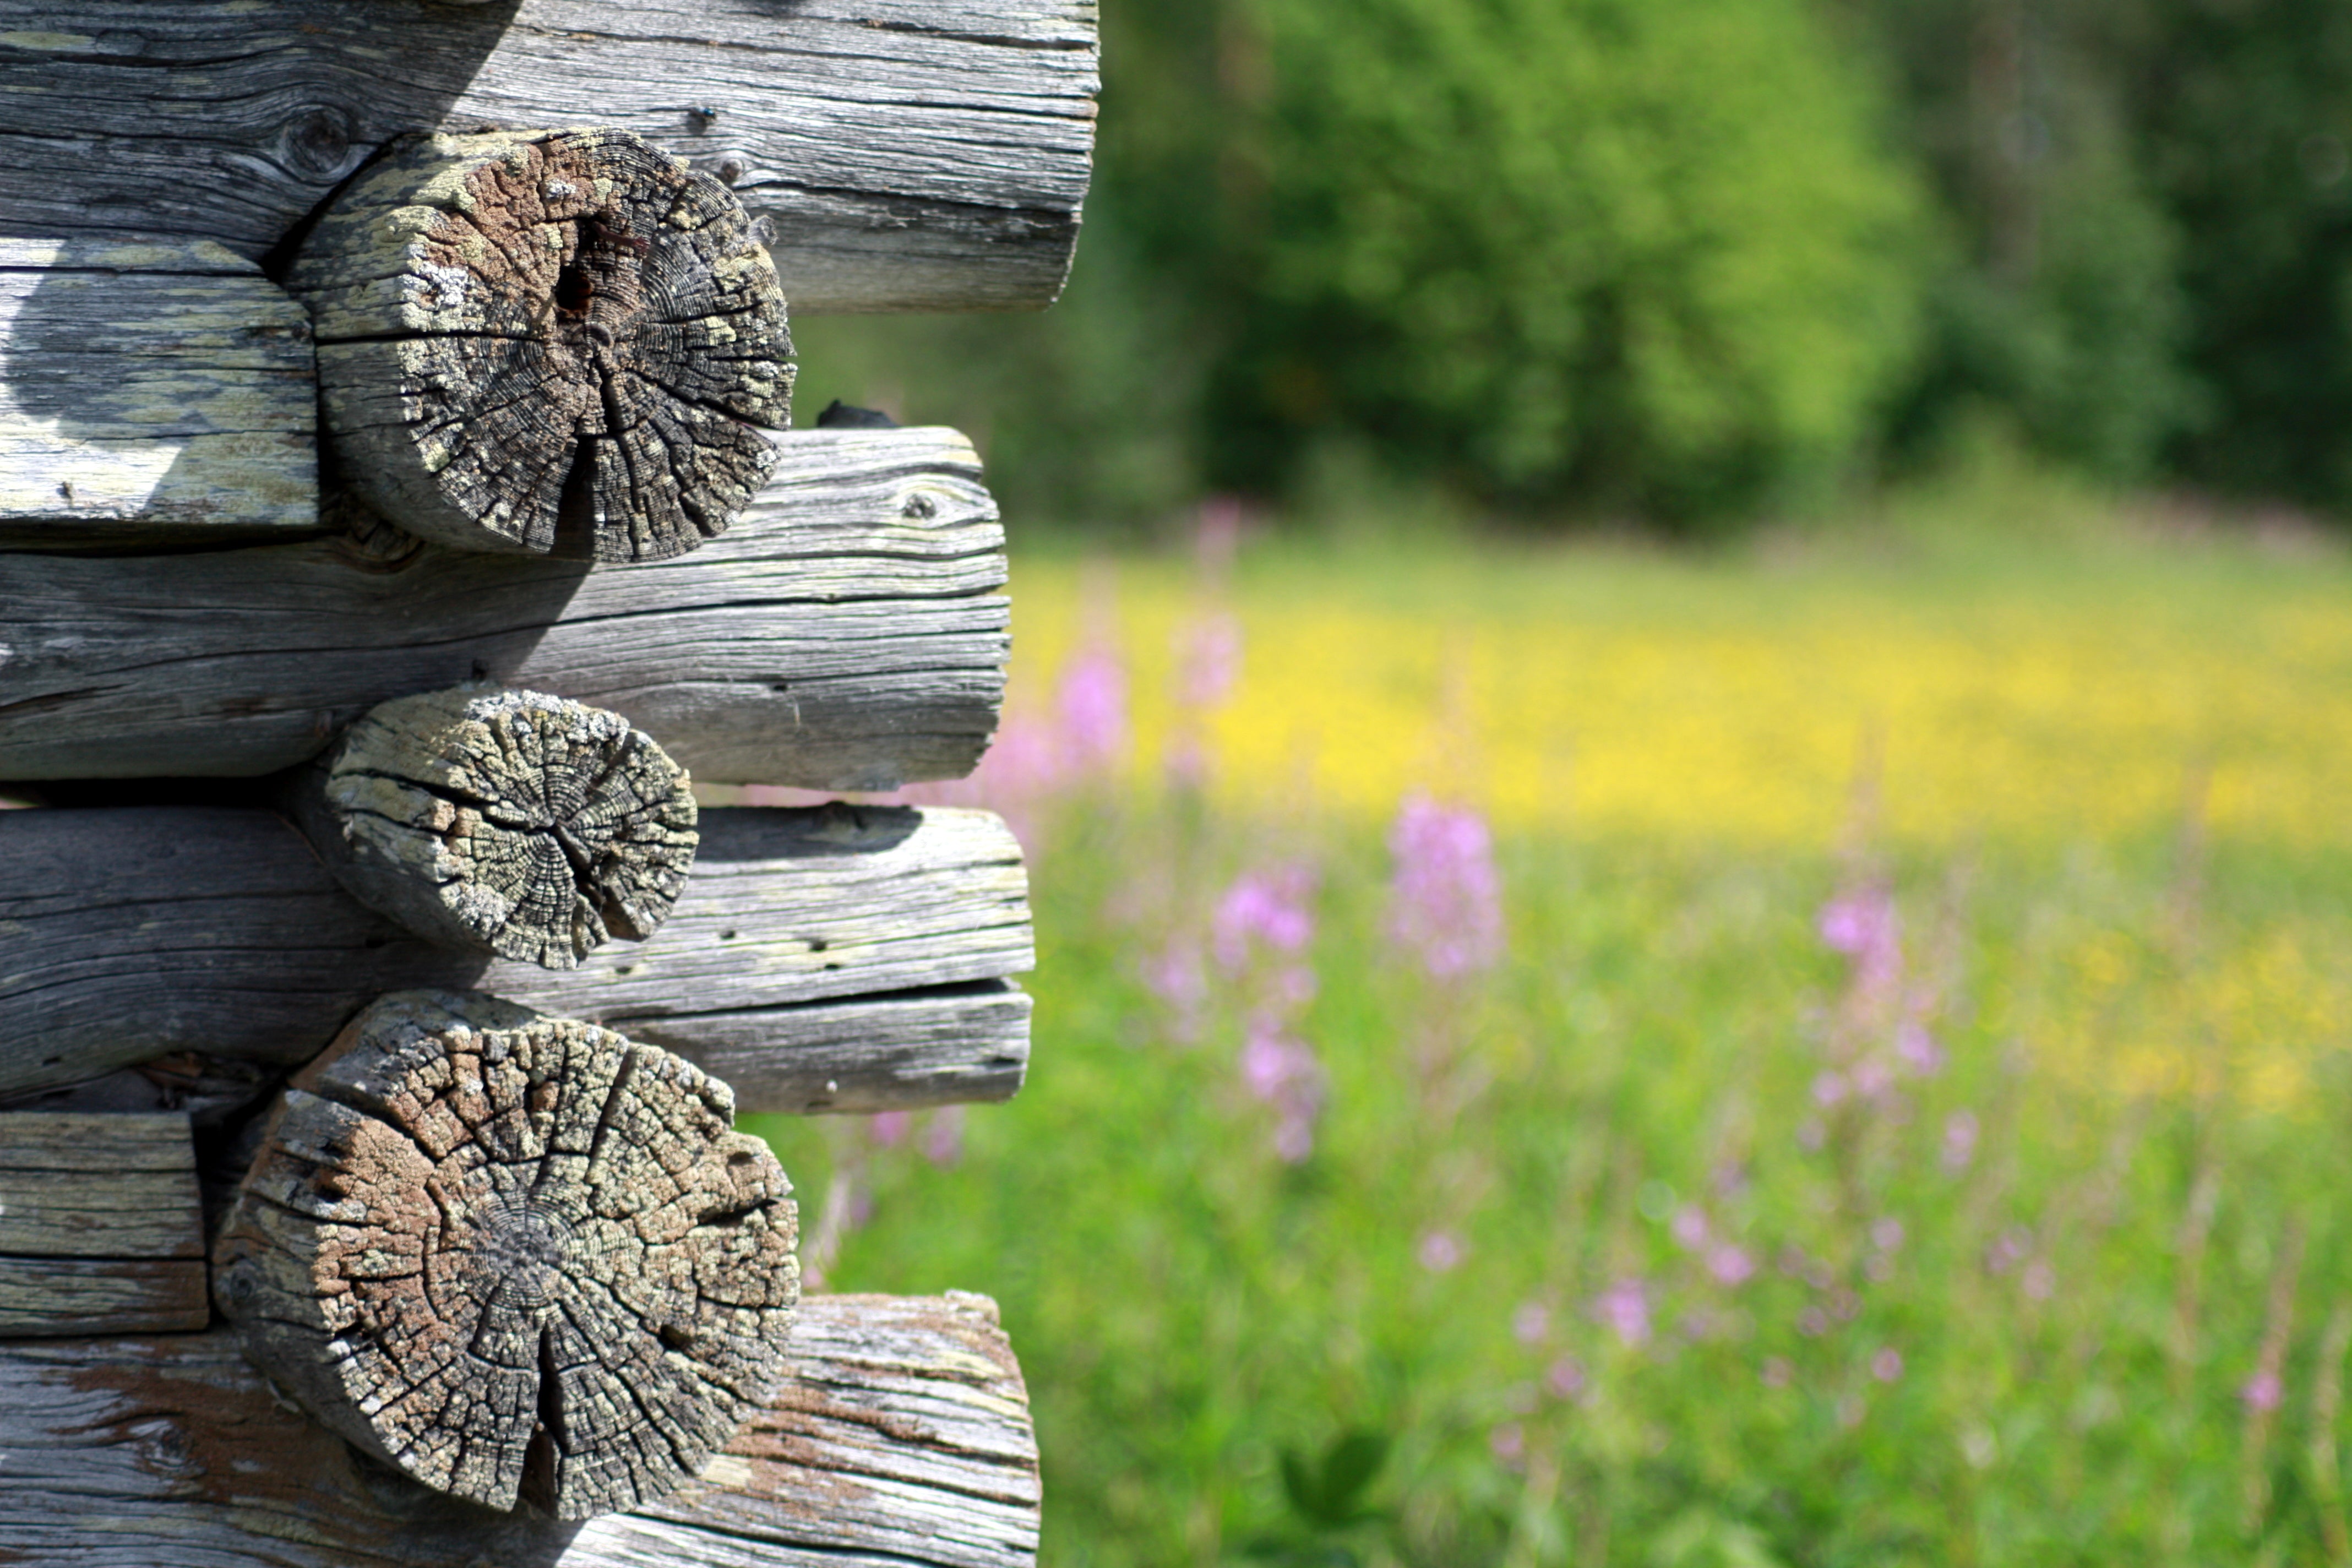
(511, 821)
(521, 1259)
(552, 341)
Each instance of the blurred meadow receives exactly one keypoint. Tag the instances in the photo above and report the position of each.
(1681, 703)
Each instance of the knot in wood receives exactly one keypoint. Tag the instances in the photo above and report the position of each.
(522, 1259)
(556, 342)
(529, 825)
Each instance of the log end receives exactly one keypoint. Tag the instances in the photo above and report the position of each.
(521, 1259)
(562, 343)
(511, 821)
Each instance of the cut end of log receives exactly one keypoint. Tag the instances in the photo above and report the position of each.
(531, 826)
(555, 342)
(521, 1259)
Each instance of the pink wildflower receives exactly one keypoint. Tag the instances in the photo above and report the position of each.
(1887, 1365)
(1624, 1307)
(1565, 1378)
(1092, 704)
(1531, 1322)
(943, 1136)
(1776, 1371)
(2264, 1391)
(1441, 1251)
(1918, 1049)
(1959, 1140)
(1210, 660)
(1269, 907)
(1886, 1233)
(1731, 1265)
(1445, 900)
(1689, 1227)
(888, 1129)
(1282, 1070)
(1509, 1444)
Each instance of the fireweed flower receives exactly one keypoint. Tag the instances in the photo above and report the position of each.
(1731, 1265)
(1887, 1365)
(2264, 1391)
(1446, 904)
(1092, 707)
(1624, 1307)
(1959, 1140)
(1862, 925)
(943, 1136)
(1268, 907)
(1441, 1251)
(1688, 1227)
(1280, 1069)
(1565, 1378)
(1531, 1322)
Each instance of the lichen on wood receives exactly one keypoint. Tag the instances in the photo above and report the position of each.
(560, 343)
(521, 1259)
(524, 825)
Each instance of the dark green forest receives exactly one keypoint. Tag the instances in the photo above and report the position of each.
(1684, 262)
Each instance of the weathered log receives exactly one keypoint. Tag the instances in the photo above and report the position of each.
(550, 341)
(845, 636)
(904, 1438)
(102, 1227)
(508, 822)
(519, 1259)
(911, 154)
(127, 934)
(147, 387)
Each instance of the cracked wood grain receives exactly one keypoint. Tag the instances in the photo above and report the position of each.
(875, 938)
(101, 1225)
(510, 822)
(151, 388)
(906, 154)
(847, 634)
(522, 1259)
(902, 1436)
(552, 341)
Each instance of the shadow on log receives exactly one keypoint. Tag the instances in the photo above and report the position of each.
(911, 154)
(846, 634)
(904, 1438)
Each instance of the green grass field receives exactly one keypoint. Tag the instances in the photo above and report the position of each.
(1855, 1154)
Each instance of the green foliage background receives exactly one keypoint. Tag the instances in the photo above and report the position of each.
(1679, 260)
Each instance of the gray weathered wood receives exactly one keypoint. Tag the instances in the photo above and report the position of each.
(550, 341)
(507, 822)
(955, 1044)
(905, 1439)
(63, 1297)
(101, 1227)
(128, 933)
(909, 154)
(151, 387)
(519, 1259)
(844, 635)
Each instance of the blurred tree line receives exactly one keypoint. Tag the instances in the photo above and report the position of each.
(1685, 259)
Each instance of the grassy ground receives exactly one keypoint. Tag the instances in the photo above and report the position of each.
(1903, 1123)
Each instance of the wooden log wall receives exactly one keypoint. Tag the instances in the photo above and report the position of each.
(906, 154)
(308, 310)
